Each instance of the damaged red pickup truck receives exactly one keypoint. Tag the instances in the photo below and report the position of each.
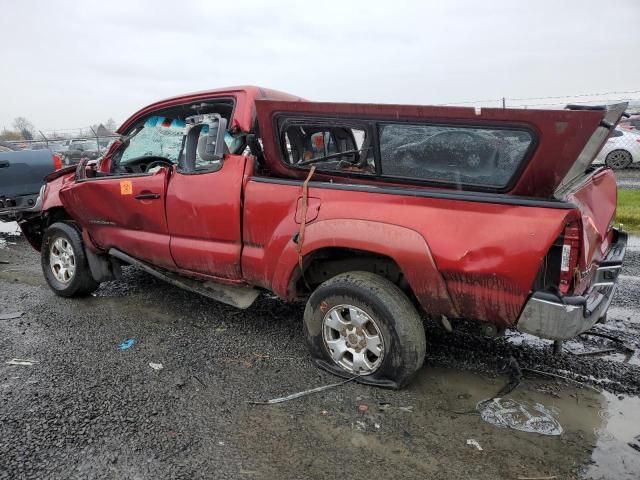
(375, 214)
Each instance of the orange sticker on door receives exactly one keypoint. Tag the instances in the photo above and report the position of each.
(126, 188)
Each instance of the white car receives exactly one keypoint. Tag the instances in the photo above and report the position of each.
(622, 148)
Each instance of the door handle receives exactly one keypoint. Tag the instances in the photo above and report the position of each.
(147, 196)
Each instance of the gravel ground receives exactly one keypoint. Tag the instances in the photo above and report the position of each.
(89, 410)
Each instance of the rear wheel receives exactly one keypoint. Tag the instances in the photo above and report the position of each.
(618, 159)
(359, 323)
(64, 262)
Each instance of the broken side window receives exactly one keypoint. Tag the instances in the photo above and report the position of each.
(487, 157)
(329, 147)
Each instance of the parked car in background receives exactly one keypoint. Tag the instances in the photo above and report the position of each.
(621, 149)
(78, 149)
(632, 122)
(374, 215)
(7, 147)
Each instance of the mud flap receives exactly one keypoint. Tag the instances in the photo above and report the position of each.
(102, 268)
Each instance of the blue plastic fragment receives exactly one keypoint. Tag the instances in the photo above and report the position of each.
(127, 344)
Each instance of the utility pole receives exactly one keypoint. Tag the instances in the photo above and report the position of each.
(504, 103)
(46, 140)
(97, 139)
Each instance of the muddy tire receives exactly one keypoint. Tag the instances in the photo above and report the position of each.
(64, 262)
(360, 324)
(618, 159)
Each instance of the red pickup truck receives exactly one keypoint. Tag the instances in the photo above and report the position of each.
(375, 214)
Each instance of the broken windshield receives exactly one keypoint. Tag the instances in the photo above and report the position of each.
(159, 137)
(162, 137)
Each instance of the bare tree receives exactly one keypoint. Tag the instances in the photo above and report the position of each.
(111, 125)
(24, 126)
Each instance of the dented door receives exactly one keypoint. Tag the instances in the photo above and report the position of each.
(204, 218)
(123, 212)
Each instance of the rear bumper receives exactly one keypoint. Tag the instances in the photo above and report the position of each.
(547, 315)
(11, 208)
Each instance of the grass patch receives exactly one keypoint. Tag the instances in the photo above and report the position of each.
(628, 212)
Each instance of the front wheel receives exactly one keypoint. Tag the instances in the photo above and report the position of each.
(618, 159)
(64, 262)
(361, 324)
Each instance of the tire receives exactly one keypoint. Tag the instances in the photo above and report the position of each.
(64, 262)
(618, 159)
(383, 312)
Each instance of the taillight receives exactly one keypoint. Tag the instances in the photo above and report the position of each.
(569, 258)
(57, 161)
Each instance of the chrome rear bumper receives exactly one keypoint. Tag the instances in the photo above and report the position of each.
(548, 315)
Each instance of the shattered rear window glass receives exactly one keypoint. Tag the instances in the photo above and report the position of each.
(450, 154)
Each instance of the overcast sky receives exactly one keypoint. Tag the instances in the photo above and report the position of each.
(71, 64)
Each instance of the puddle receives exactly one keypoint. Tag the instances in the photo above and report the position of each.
(613, 457)
(571, 431)
(424, 430)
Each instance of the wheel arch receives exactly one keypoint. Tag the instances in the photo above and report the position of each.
(395, 247)
(33, 228)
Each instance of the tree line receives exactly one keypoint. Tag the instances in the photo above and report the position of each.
(23, 129)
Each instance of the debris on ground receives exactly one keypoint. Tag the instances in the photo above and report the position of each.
(507, 413)
(4, 262)
(384, 407)
(515, 377)
(200, 381)
(127, 344)
(156, 366)
(20, 361)
(303, 393)
(10, 315)
(363, 408)
(552, 477)
(474, 443)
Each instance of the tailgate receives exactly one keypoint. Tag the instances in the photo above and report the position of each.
(594, 192)
(596, 198)
(22, 173)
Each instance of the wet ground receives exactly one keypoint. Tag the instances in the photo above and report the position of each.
(82, 408)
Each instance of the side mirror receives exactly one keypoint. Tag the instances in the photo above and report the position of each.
(210, 147)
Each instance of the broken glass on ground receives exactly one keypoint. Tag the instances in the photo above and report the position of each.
(519, 415)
